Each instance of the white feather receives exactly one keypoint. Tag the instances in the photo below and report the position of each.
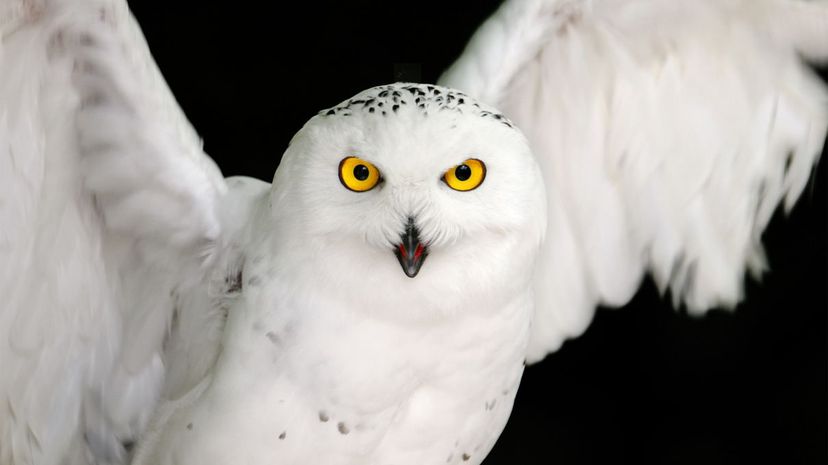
(668, 133)
(662, 130)
(106, 201)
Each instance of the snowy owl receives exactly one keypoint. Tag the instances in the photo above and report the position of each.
(419, 243)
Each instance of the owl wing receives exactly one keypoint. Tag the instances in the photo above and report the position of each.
(668, 132)
(107, 211)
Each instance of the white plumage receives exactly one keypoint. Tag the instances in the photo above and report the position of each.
(665, 134)
(687, 200)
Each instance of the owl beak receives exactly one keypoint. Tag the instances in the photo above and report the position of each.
(410, 251)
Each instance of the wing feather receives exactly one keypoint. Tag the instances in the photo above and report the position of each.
(107, 206)
(668, 133)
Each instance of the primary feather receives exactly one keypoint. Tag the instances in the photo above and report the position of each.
(668, 133)
(107, 211)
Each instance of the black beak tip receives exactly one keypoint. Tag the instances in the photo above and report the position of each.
(411, 262)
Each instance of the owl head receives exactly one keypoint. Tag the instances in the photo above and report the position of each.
(410, 194)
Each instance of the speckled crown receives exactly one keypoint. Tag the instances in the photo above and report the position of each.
(388, 99)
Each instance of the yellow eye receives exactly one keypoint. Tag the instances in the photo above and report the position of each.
(358, 175)
(466, 176)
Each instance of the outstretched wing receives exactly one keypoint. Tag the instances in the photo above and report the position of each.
(106, 203)
(668, 133)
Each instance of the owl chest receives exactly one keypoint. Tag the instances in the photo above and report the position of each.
(386, 392)
(368, 361)
(325, 385)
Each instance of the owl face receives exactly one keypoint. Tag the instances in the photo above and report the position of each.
(412, 188)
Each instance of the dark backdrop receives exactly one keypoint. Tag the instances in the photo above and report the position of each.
(645, 384)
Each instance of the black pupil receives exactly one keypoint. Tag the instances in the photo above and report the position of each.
(361, 172)
(462, 172)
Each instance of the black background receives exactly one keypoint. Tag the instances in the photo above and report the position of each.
(645, 384)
